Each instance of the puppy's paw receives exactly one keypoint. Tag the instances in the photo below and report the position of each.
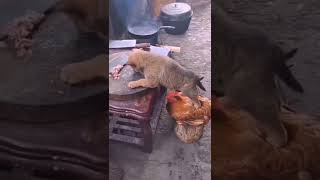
(71, 74)
(132, 85)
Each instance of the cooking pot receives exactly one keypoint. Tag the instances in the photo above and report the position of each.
(177, 15)
(146, 31)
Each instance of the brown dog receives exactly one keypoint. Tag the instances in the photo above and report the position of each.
(246, 62)
(162, 70)
(89, 15)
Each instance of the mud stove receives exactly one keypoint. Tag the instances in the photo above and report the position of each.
(133, 113)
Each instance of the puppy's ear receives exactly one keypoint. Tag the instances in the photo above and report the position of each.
(290, 54)
(199, 84)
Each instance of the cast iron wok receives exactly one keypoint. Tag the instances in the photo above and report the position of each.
(146, 30)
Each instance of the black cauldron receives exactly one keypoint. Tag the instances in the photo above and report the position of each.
(177, 15)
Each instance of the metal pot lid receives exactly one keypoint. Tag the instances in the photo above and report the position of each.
(176, 11)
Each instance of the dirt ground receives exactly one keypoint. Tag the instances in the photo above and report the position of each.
(294, 23)
(171, 159)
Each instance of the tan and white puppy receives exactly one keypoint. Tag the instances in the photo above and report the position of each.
(162, 70)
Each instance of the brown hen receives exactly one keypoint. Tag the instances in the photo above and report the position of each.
(182, 110)
(190, 120)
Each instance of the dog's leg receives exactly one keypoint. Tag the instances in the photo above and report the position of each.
(143, 83)
(84, 71)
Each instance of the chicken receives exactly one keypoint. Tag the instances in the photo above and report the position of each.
(190, 120)
(182, 110)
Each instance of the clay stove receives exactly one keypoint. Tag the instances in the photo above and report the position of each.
(135, 120)
(133, 113)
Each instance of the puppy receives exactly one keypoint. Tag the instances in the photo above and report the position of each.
(89, 15)
(246, 62)
(162, 70)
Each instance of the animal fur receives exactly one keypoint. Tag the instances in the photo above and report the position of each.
(238, 153)
(90, 15)
(86, 70)
(246, 62)
(162, 70)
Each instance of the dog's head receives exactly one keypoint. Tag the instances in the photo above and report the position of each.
(135, 59)
(191, 90)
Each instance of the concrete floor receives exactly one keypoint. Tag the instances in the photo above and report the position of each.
(171, 159)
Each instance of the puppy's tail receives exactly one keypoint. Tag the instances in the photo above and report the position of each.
(199, 84)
